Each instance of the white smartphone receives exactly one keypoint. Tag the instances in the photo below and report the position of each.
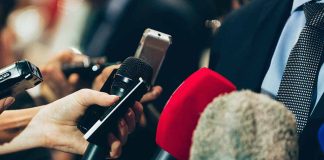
(152, 49)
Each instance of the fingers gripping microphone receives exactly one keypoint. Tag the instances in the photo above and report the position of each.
(118, 83)
(129, 83)
(245, 125)
(181, 113)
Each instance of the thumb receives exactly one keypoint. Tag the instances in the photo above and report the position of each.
(65, 56)
(87, 97)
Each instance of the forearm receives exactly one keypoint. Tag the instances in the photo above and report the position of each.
(25, 140)
(12, 122)
(20, 139)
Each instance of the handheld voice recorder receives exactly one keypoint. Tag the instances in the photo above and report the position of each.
(18, 77)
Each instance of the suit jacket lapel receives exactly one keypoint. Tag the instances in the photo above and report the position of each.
(246, 62)
(319, 110)
(270, 24)
(266, 27)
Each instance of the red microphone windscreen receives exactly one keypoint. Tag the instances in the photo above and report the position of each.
(180, 115)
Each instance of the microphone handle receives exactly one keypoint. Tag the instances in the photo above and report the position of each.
(95, 152)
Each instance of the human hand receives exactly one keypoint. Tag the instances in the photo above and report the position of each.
(55, 125)
(55, 84)
(103, 76)
(5, 103)
(12, 122)
(153, 94)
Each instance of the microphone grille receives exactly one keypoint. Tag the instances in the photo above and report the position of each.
(134, 68)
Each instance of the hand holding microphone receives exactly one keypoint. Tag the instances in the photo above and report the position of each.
(130, 82)
(55, 125)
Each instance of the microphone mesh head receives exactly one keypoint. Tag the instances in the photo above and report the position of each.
(245, 125)
(134, 68)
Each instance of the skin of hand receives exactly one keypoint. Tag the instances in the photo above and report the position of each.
(55, 84)
(12, 122)
(153, 94)
(5, 103)
(101, 78)
(55, 125)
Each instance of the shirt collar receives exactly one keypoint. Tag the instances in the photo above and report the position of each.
(298, 3)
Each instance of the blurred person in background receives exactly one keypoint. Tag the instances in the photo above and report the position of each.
(113, 25)
(117, 24)
(114, 30)
(14, 122)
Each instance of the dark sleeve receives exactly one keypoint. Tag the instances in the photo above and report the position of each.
(23, 100)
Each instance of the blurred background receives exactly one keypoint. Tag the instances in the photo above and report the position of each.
(38, 29)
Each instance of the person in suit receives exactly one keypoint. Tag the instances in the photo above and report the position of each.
(252, 48)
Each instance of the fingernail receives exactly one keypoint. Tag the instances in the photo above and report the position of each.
(115, 97)
(155, 92)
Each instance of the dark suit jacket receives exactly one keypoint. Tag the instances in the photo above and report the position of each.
(243, 49)
(176, 17)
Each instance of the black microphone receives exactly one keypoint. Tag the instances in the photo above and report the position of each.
(130, 70)
(130, 82)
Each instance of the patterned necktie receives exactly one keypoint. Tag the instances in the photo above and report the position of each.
(299, 78)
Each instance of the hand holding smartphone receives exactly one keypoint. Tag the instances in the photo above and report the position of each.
(152, 49)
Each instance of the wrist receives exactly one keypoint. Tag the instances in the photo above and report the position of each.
(35, 130)
(27, 139)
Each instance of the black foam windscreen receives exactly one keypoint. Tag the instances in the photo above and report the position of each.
(134, 68)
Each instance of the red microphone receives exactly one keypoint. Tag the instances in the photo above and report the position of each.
(180, 115)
